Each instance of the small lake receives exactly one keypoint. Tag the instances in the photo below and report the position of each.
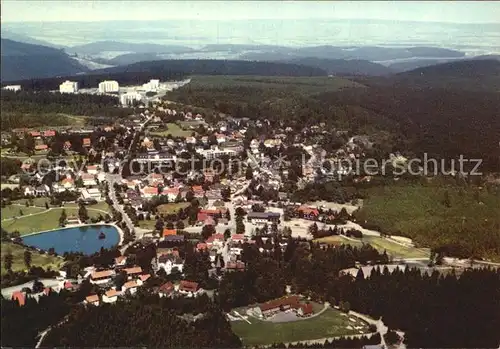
(77, 239)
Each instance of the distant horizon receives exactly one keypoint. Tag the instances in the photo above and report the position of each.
(49, 11)
(323, 19)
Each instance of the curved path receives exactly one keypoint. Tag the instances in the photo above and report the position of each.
(46, 210)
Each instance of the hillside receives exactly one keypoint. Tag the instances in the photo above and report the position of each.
(218, 67)
(344, 67)
(25, 61)
(475, 69)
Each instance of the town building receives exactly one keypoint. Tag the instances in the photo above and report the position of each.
(129, 98)
(68, 87)
(14, 88)
(109, 86)
(263, 217)
(101, 277)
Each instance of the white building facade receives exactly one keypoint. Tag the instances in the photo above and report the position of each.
(68, 87)
(109, 86)
(129, 98)
(14, 88)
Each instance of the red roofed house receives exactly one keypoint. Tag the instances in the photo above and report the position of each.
(167, 232)
(86, 142)
(144, 277)
(130, 286)
(149, 192)
(166, 289)
(305, 310)
(308, 212)
(275, 306)
(49, 133)
(110, 296)
(19, 297)
(68, 285)
(189, 288)
(132, 272)
(35, 134)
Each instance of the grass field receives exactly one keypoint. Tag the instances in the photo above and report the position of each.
(419, 212)
(40, 260)
(44, 221)
(309, 85)
(338, 240)
(11, 211)
(171, 208)
(331, 323)
(174, 130)
(392, 248)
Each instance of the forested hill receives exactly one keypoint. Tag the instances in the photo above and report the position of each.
(25, 61)
(217, 67)
(471, 75)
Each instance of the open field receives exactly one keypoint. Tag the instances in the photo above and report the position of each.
(469, 220)
(338, 240)
(37, 259)
(396, 250)
(44, 221)
(11, 211)
(308, 85)
(331, 323)
(393, 249)
(171, 208)
(174, 130)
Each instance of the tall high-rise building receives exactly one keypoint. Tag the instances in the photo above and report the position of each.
(109, 86)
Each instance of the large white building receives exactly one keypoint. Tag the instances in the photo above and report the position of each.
(13, 88)
(109, 86)
(152, 85)
(68, 87)
(130, 97)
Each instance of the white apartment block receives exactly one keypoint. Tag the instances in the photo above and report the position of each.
(109, 86)
(68, 87)
(129, 98)
(13, 88)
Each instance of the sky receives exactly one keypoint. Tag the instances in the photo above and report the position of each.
(97, 10)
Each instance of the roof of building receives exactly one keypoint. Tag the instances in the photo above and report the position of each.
(167, 232)
(189, 286)
(307, 308)
(308, 210)
(130, 284)
(133, 270)
(292, 301)
(166, 287)
(144, 277)
(102, 274)
(92, 298)
(112, 293)
(263, 214)
(19, 297)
